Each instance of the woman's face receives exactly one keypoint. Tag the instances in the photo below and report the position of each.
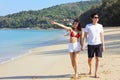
(75, 24)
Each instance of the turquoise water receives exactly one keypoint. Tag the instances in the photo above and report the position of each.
(14, 43)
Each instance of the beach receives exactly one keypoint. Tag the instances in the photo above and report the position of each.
(53, 62)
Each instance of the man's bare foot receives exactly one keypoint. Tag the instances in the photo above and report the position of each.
(96, 76)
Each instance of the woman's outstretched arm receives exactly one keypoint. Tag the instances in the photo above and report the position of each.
(61, 25)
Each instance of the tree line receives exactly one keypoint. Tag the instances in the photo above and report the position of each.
(41, 18)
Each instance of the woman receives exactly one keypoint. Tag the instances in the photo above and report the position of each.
(75, 43)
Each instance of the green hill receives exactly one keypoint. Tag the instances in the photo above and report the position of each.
(109, 13)
(41, 18)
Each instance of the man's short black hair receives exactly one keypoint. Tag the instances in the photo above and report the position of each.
(92, 15)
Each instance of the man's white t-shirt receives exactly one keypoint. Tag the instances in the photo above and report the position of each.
(94, 33)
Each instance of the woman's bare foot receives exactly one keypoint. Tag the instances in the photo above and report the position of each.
(75, 76)
(90, 73)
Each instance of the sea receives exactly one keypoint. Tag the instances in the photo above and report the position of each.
(17, 43)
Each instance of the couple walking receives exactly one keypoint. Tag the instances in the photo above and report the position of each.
(94, 34)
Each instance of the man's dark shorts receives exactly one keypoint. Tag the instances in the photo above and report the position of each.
(94, 49)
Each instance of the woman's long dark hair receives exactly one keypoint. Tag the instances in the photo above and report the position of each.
(79, 28)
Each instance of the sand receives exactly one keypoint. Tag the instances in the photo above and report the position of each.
(53, 62)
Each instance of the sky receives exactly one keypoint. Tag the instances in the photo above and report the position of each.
(15, 6)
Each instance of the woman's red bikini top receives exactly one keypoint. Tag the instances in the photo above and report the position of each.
(73, 35)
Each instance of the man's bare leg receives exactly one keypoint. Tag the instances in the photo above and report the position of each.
(90, 65)
(96, 67)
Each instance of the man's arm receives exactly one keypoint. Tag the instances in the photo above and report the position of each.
(102, 40)
(84, 39)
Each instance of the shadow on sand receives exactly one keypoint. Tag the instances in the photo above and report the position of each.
(38, 77)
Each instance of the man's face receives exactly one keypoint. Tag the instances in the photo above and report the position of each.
(95, 19)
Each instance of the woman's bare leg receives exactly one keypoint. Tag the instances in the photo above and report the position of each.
(72, 60)
(76, 64)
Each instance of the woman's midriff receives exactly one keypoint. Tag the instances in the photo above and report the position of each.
(73, 40)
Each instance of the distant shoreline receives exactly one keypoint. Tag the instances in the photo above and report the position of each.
(37, 28)
(26, 29)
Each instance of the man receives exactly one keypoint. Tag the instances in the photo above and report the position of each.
(94, 33)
